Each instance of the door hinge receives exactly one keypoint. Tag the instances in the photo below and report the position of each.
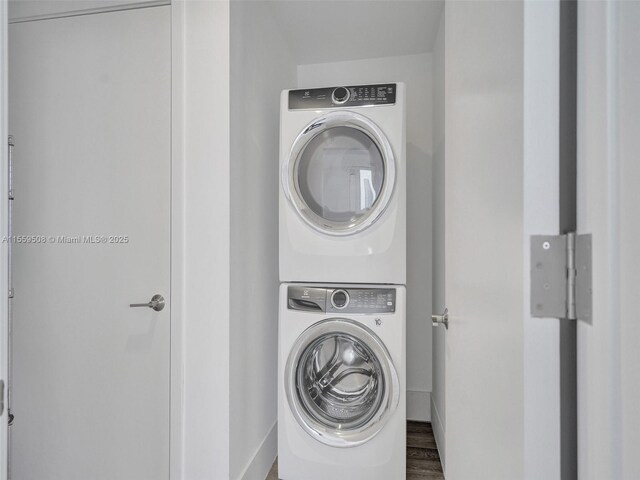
(11, 145)
(561, 276)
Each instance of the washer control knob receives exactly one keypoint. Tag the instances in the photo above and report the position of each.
(340, 95)
(339, 299)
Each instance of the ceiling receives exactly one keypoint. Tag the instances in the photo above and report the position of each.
(322, 31)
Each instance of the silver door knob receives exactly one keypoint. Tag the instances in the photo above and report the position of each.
(441, 319)
(157, 303)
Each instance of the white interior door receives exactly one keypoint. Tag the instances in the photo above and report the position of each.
(484, 237)
(90, 111)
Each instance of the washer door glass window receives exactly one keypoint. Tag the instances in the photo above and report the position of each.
(343, 173)
(342, 382)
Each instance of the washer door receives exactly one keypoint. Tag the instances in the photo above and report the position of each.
(341, 383)
(340, 173)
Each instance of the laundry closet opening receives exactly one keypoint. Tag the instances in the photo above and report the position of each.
(305, 44)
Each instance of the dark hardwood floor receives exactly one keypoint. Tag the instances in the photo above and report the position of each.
(423, 460)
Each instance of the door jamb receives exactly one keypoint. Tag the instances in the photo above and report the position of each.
(176, 414)
(4, 254)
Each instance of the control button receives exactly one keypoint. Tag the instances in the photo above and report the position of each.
(339, 299)
(340, 95)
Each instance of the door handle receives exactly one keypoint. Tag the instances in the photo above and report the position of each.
(157, 303)
(443, 319)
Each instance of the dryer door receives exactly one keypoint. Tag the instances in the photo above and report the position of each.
(340, 173)
(341, 383)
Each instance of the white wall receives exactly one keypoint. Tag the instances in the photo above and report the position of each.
(416, 72)
(206, 223)
(438, 413)
(260, 69)
(608, 199)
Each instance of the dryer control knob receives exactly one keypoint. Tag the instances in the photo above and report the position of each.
(339, 298)
(340, 95)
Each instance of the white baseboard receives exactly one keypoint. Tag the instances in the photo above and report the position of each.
(418, 406)
(438, 433)
(262, 460)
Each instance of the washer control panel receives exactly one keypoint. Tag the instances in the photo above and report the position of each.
(341, 299)
(344, 96)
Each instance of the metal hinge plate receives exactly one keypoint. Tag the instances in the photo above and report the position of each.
(561, 276)
(11, 145)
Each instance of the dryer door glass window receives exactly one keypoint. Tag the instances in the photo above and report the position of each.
(340, 175)
(340, 382)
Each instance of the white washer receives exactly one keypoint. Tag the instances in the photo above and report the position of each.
(342, 185)
(341, 382)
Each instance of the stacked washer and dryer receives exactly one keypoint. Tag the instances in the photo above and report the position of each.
(342, 335)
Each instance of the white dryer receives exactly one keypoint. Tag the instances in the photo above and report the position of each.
(341, 382)
(342, 188)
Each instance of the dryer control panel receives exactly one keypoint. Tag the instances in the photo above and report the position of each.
(352, 300)
(347, 96)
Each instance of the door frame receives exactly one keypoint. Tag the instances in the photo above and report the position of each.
(176, 303)
(177, 228)
(4, 211)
